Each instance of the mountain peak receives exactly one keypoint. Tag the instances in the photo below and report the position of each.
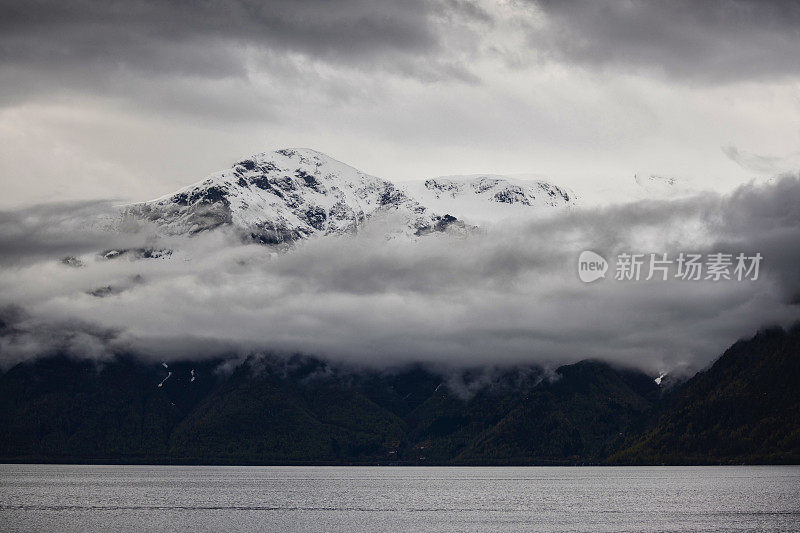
(292, 193)
(290, 153)
(479, 198)
(285, 195)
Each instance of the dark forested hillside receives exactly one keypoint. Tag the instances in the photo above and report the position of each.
(60, 409)
(578, 418)
(301, 410)
(743, 409)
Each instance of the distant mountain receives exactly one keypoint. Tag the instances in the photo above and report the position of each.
(284, 196)
(301, 410)
(745, 408)
(61, 409)
(655, 186)
(290, 194)
(489, 197)
(657, 183)
(578, 418)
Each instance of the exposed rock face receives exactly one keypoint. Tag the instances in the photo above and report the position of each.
(283, 196)
(290, 194)
(500, 189)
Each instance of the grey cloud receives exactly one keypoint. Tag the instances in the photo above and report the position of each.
(130, 32)
(765, 219)
(118, 49)
(50, 231)
(229, 63)
(507, 294)
(712, 41)
(21, 335)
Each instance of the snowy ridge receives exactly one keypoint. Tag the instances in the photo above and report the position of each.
(489, 197)
(656, 186)
(290, 194)
(283, 196)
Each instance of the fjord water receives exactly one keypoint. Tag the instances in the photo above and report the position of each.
(203, 498)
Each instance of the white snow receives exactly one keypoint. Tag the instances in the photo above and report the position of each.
(169, 374)
(291, 194)
(481, 198)
(295, 193)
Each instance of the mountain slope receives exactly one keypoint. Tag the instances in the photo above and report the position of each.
(484, 198)
(269, 411)
(61, 409)
(461, 408)
(745, 408)
(279, 412)
(290, 194)
(579, 416)
(283, 196)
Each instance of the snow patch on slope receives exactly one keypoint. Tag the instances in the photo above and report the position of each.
(282, 196)
(484, 198)
(291, 194)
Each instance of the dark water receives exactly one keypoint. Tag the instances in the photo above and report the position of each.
(165, 498)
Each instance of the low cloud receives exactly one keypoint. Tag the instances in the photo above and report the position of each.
(769, 165)
(506, 294)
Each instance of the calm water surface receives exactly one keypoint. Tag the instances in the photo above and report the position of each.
(192, 498)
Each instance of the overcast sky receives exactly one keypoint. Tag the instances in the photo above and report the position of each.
(130, 100)
(133, 99)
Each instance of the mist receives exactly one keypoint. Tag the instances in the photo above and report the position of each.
(500, 295)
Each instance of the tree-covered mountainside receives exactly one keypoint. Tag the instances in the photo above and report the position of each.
(59, 409)
(578, 418)
(743, 409)
(301, 410)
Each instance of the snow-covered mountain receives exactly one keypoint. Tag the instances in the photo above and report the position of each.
(488, 197)
(289, 194)
(655, 186)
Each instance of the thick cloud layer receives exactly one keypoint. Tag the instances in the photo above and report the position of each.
(111, 45)
(718, 40)
(507, 294)
(714, 40)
